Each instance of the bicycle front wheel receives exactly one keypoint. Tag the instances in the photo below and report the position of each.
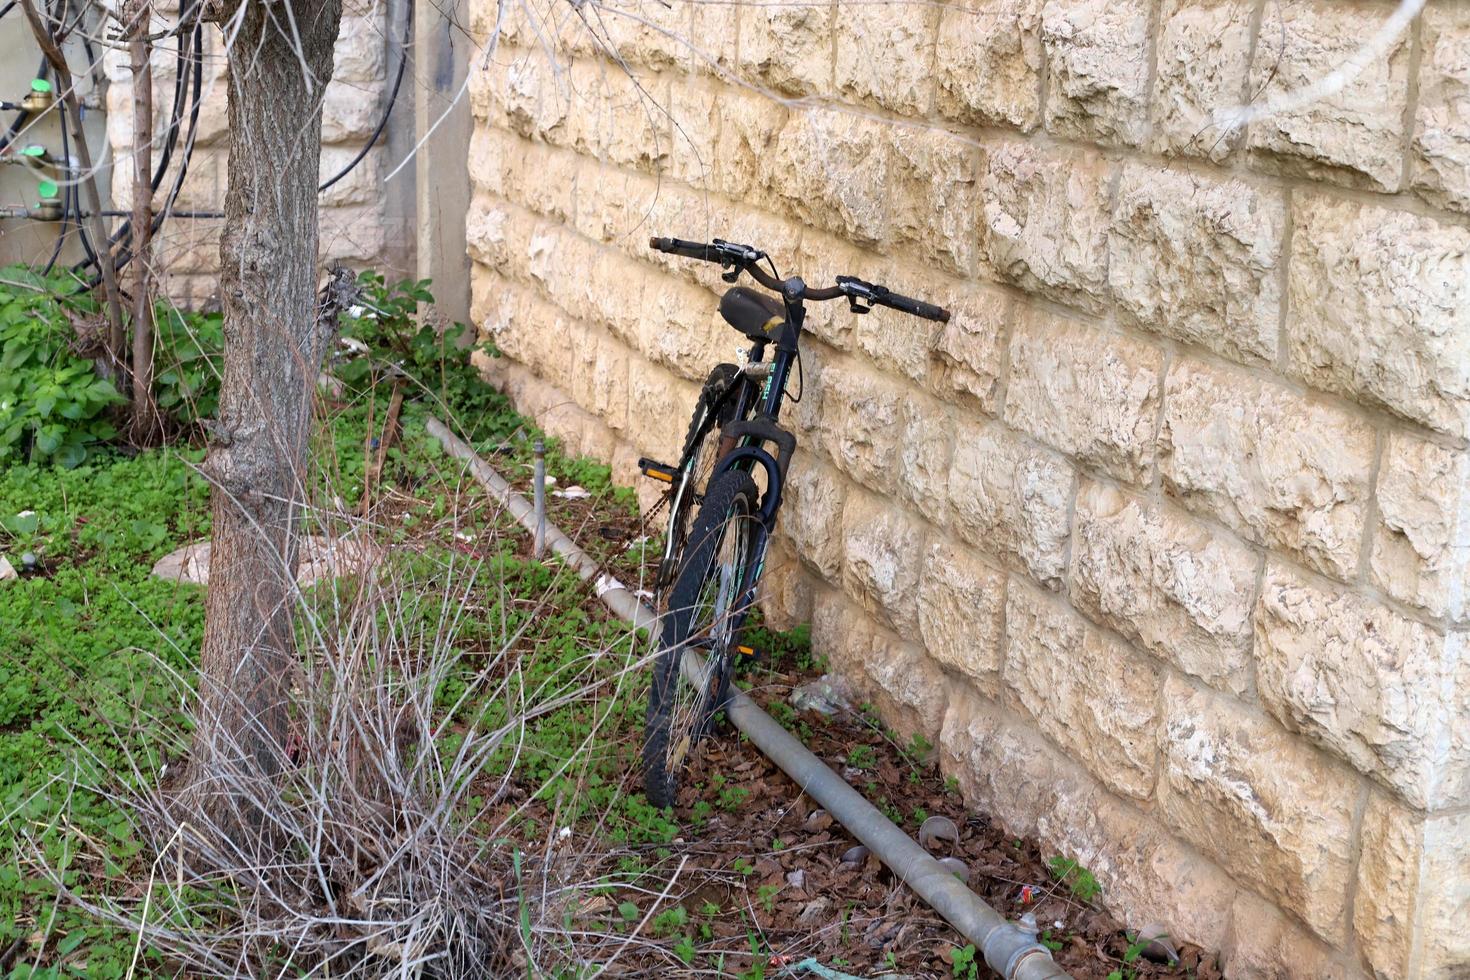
(703, 610)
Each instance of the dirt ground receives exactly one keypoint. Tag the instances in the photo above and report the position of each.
(770, 880)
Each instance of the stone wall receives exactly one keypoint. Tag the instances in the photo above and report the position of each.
(357, 220)
(1163, 538)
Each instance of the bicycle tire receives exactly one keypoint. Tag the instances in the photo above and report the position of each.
(730, 503)
(712, 412)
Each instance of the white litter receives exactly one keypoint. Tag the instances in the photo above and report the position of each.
(571, 493)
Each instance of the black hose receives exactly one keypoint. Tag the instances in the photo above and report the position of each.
(392, 100)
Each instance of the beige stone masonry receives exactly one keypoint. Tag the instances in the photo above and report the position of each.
(1164, 538)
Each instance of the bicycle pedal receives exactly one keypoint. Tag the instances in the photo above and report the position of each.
(658, 471)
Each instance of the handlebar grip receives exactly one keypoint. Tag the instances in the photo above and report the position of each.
(690, 250)
(916, 307)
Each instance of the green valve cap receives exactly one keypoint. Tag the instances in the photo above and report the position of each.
(34, 150)
(40, 85)
(47, 189)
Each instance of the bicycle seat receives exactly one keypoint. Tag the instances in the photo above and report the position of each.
(754, 314)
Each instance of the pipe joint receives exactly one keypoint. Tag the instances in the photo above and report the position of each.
(1011, 950)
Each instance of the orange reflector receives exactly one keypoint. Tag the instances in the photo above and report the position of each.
(748, 651)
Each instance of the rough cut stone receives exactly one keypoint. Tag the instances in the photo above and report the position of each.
(1263, 804)
(860, 423)
(358, 56)
(812, 512)
(1365, 683)
(988, 62)
(832, 170)
(883, 552)
(1378, 301)
(1354, 136)
(868, 37)
(1266, 945)
(1281, 469)
(1203, 56)
(924, 458)
(321, 559)
(787, 46)
(1181, 591)
(961, 609)
(1010, 499)
(1421, 546)
(748, 126)
(1413, 900)
(1045, 220)
(1093, 394)
(971, 347)
(936, 202)
(1097, 57)
(1440, 151)
(1093, 695)
(1199, 260)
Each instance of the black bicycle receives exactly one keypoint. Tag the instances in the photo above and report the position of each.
(723, 497)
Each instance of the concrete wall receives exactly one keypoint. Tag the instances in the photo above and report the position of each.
(1164, 537)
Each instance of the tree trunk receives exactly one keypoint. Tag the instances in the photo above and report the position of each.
(145, 427)
(279, 64)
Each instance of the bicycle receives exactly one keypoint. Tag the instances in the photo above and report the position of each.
(714, 555)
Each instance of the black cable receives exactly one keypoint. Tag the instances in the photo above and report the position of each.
(392, 100)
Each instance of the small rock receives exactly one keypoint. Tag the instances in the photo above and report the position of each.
(814, 911)
(1159, 948)
(937, 830)
(826, 694)
(7, 570)
(855, 855)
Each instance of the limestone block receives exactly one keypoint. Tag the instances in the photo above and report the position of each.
(1440, 152)
(988, 63)
(1097, 57)
(607, 390)
(749, 123)
(934, 198)
(1045, 221)
(359, 55)
(1199, 260)
(1203, 57)
(360, 185)
(812, 514)
(785, 593)
(1365, 683)
(904, 683)
(350, 111)
(493, 153)
(885, 55)
(682, 330)
(831, 169)
(352, 234)
(961, 609)
(1264, 805)
(1011, 499)
(1006, 768)
(787, 47)
(971, 348)
(1179, 589)
(883, 550)
(860, 423)
(1420, 543)
(694, 113)
(1266, 945)
(1354, 136)
(926, 450)
(1091, 694)
(1281, 469)
(1091, 393)
(658, 410)
(1377, 309)
(712, 37)
(644, 32)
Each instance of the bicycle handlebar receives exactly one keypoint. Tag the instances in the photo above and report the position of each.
(743, 258)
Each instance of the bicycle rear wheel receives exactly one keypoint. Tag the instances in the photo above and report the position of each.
(715, 408)
(703, 609)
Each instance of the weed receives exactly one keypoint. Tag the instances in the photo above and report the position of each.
(861, 757)
(963, 964)
(1079, 881)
